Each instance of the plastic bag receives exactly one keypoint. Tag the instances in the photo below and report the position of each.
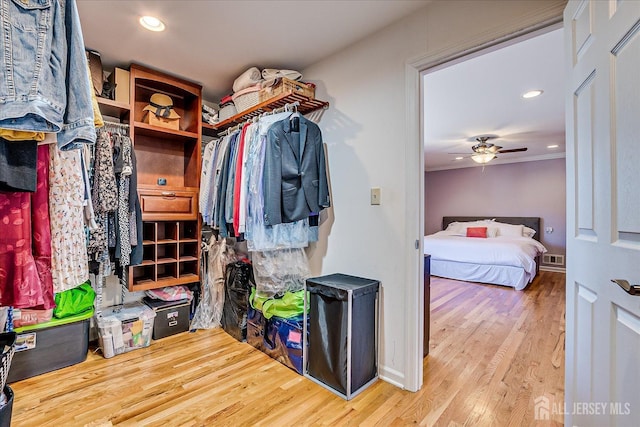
(277, 272)
(215, 256)
(290, 305)
(74, 301)
(238, 284)
(170, 293)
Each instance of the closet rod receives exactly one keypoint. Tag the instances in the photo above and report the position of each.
(282, 109)
(116, 124)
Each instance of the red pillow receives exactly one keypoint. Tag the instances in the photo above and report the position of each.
(477, 232)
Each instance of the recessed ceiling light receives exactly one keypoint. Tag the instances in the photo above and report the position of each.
(459, 158)
(552, 146)
(152, 23)
(532, 93)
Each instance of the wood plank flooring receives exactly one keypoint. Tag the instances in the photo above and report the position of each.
(493, 350)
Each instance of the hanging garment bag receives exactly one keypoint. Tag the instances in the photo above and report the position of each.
(238, 282)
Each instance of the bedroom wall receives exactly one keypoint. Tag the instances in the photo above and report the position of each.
(366, 142)
(515, 189)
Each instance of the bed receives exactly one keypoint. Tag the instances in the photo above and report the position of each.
(506, 253)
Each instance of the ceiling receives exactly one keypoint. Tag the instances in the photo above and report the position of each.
(213, 42)
(482, 96)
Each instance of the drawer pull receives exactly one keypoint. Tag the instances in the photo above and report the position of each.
(628, 287)
(168, 194)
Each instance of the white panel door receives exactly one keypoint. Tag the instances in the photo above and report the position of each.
(602, 40)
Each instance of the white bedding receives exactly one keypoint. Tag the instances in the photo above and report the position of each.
(500, 260)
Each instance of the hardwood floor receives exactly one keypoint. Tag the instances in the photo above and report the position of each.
(493, 350)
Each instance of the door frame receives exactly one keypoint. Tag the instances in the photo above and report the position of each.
(529, 25)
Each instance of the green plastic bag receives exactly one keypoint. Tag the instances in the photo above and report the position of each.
(290, 305)
(74, 301)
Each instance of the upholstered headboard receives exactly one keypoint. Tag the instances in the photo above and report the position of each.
(527, 221)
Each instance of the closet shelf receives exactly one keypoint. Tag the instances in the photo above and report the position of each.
(158, 132)
(188, 240)
(307, 105)
(112, 108)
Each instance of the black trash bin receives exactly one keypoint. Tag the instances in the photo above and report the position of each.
(237, 287)
(6, 411)
(343, 342)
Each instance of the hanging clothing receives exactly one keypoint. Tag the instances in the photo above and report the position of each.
(21, 135)
(222, 197)
(295, 176)
(69, 253)
(238, 179)
(104, 194)
(244, 179)
(25, 244)
(46, 81)
(206, 178)
(217, 163)
(259, 235)
(18, 165)
(123, 169)
(232, 192)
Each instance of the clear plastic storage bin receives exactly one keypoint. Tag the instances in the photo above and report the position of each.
(125, 327)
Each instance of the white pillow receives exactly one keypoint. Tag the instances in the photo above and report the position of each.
(509, 230)
(492, 231)
(461, 227)
(528, 232)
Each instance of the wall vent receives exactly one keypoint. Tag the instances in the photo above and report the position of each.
(553, 259)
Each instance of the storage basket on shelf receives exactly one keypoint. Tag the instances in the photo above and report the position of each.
(247, 98)
(289, 86)
(227, 110)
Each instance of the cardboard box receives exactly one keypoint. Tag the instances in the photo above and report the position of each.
(172, 317)
(120, 78)
(154, 120)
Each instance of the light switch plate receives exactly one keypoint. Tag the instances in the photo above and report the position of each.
(375, 196)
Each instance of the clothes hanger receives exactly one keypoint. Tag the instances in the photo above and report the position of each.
(295, 119)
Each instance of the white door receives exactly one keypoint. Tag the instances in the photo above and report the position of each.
(602, 40)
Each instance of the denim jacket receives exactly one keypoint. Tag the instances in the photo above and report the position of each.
(44, 81)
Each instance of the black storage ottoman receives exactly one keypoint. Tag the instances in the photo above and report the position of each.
(343, 333)
(49, 346)
(172, 317)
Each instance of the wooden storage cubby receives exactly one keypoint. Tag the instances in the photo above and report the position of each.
(171, 255)
(168, 162)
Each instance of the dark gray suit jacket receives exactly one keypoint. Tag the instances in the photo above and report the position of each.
(295, 175)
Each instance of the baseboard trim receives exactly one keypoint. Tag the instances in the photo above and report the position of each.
(392, 376)
(554, 269)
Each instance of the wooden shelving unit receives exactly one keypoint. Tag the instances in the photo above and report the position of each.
(168, 181)
(114, 109)
(307, 105)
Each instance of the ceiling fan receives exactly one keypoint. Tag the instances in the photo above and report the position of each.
(484, 152)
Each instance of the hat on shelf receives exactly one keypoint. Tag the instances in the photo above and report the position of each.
(162, 106)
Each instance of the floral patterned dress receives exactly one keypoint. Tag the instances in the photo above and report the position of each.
(66, 194)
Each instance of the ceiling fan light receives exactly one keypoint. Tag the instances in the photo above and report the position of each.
(483, 158)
